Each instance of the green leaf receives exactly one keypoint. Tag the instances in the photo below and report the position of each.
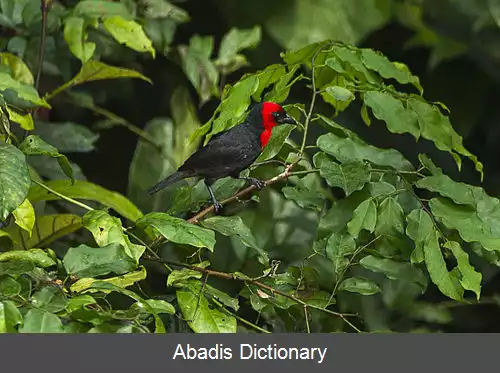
(350, 175)
(24, 216)
(75, 35)
(79, 301)
(39, 321)
(178, 230)
(107, 229)
(364, 217)
(161, 32)
(359, 285)
(9, 287)
(473, 226)
(429, 165)
(391, 110)
(235, 41)
(394, 270)
(278, 138)
(351, 60)
(159, 306)
(95, 70)
(23, 91)
(471, 279)
(307, 192)
(67, 136)
(130, 33)
(10, 317)
(338, 246)
(340, 93)
(179, 276)
(50, 299)
(48, 228)
(303, 22)
(34, 145)
(353, 148)
(200, 317)
(234, 226)
(419, 227)
(436, 267)
(126, 280)
(14, 179)
(101, 9)
(234, 105)
(200, 70)
(390, 218)
(20, 71)
(436, 127)
(164, 9)
(25, 121)
(389, 70)
(16, 267)
(86, 191)
(85, 261)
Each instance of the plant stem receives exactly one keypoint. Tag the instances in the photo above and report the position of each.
(244, 321)
(235, 277)
(62, 196)
(44, 7)
(303, 172)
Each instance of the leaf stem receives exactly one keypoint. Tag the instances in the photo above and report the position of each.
(244, 321)
(62, 196)
(44, 7)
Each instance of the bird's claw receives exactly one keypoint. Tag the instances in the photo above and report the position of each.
(217, 207)
(259, 184)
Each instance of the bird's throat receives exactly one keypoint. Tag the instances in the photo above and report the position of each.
(265, 136)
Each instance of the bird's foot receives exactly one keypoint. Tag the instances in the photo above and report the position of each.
(259, 184)
(217, 206)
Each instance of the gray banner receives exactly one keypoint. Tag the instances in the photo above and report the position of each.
(246, 353)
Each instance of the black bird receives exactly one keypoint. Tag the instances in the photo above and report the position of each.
(230, 152)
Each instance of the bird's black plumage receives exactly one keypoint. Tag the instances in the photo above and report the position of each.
(230, 152)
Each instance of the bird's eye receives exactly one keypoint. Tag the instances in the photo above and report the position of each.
(276, 115)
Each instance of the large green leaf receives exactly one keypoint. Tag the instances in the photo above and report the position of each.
(101, 8)
(350, 175)
(34, 145)
(25, 121)
(338, 247)
(130, 33)
(178, 230)
(85, 261)
(196, 63)
(50, 299)
(353, 148)
(107, 229)
(20, 71)
(14, 179)
(47, 229)
(10, 317)
(233, 42)
(278, 138)
(390, 219)
(359, 285)
(24, 216)
(39, 321)
(200, 317)
(85, 190)
(418, 228)
(394, 270)
(75, 34)
(436, 127)
(123, 281)
(234, 226)
(364, 217)
(391, 110)
(36, 256)
(23, 91)
(438, 272)
(67, 137)
(470, 278)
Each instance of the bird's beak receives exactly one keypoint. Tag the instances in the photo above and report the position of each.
(288, 119)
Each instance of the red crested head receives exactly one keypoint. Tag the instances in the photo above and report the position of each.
(272, 115)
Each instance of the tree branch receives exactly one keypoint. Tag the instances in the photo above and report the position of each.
(247, 280)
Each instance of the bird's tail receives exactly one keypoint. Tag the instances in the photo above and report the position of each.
(176, 176)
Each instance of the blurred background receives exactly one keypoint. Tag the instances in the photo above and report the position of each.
(452, 45)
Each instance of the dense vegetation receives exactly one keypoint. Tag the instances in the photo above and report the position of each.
(375, 216)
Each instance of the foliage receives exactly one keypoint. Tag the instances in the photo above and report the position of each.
(343, 227)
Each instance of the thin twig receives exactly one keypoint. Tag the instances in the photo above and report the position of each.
(306, 315)
(244, 321)
(62, 196)
(234, 277)
(44, 7)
